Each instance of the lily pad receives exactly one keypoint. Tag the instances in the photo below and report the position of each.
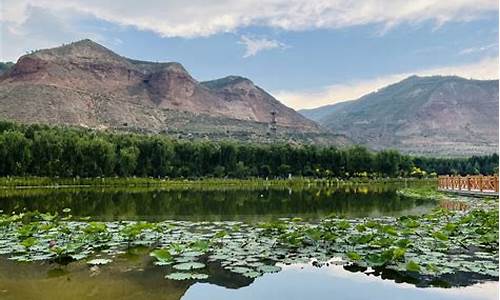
(186, 276)
(189, 266)
(412, 266)
(269, 269)
(161, 255)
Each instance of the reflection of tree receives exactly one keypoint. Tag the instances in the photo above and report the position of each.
(115, 281)
(211, 204)
(223, 277)
(130, 274)
(443, 281)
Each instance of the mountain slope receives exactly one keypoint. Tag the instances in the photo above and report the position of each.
(253, 102)
(422, 115)
(86, 84)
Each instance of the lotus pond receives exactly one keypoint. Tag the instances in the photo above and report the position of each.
(382, 241)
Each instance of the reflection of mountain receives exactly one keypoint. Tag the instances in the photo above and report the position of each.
(200, 204)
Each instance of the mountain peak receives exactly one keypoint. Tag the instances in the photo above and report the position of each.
(85, 42)
(85, 49)
(226, 81)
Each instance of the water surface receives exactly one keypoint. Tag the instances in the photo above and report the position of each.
(133, 276)
(209, 204)
(142, 281)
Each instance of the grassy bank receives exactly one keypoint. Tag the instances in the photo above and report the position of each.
(54, 182)
(425, 192)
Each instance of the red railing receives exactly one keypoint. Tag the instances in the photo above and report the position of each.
(483, 184)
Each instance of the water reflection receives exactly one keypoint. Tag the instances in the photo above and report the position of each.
(141, 280)
(306, 282)
(201, 204)
(133, 276)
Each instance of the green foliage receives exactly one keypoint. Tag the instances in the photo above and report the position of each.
(429, 193)
(412, 266)
(220, 234)
(127, 160)
(399, 253)
(133, 230)
(440, 243)
(41, 150)
(162, 255)
(95, 228)
(353, 256)
(15, 153)
(29, 242)
(440, 235)
(202, 246)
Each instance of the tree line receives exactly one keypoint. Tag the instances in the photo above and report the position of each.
(41, 150)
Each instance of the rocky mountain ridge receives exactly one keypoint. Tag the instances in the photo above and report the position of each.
(435, 115)
(86, 84)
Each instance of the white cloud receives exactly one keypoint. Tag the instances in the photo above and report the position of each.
(198, 18)
(255, 45)
(179, 18)
(485, 69)
(40, 28)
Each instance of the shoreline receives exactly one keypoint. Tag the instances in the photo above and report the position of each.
(7, 183)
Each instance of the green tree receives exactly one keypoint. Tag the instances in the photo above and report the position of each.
(47, 150)
(240, 170)
(388, 162)
(15, 153)
(284, 170)
(127, 160)
(265, 171)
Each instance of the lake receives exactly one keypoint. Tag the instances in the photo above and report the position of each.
(132, 275)
(220, 203)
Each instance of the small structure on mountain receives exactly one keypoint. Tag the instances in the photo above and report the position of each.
(272, 125)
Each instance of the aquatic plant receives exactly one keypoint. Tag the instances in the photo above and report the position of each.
(432, 245)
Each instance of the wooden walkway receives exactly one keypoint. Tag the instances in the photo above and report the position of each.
(469, 185)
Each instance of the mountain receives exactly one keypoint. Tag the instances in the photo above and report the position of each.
(86, 84)
(437, 115)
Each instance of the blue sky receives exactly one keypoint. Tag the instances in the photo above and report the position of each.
(306, 53)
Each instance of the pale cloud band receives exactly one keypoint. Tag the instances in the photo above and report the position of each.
(179, 18)
(485, 69)
(198, 18)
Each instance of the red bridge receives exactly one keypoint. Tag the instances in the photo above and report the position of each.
(474, 185)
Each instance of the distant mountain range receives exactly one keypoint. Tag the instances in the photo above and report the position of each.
(437, 115)
(86, 84)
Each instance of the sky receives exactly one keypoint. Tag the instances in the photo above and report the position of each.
(306, 53)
